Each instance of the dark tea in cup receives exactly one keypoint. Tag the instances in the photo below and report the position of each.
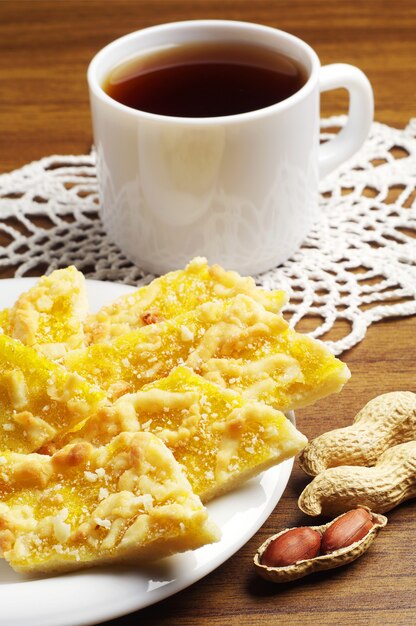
(205, 79)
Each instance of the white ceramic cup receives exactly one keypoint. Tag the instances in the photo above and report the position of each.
(241, 190)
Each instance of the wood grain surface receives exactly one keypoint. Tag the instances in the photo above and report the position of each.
(45, 48)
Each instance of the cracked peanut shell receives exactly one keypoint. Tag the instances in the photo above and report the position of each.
(340, 557)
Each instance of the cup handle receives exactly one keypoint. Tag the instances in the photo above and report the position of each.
(360, 114)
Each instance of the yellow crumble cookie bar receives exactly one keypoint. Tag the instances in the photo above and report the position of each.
(220, 439)
(173, 294)
(39, 398)
(50, 316)
(237, 344)
(127, 501)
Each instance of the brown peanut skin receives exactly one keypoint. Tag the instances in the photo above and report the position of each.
(346, 530)
(295, 545)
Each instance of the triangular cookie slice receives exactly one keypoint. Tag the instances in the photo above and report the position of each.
(173, 294)
(39, 398)
(50, 316)
(127, 501)
(220, 439)
(237, 344)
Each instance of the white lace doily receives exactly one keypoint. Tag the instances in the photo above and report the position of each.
(358, 264)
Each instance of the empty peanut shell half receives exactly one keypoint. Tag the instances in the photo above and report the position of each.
(303, 567)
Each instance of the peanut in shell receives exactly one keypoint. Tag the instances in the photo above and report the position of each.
(384, 422)
(319, 563)
(380, 488)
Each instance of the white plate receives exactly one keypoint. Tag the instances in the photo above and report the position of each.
(99, 594)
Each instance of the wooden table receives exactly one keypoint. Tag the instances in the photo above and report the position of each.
(44, 51)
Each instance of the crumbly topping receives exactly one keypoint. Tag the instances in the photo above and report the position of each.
(51, 314)
(186, 334)
(172, 294)
(214, 433)
(39, 397)
(235, 343)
